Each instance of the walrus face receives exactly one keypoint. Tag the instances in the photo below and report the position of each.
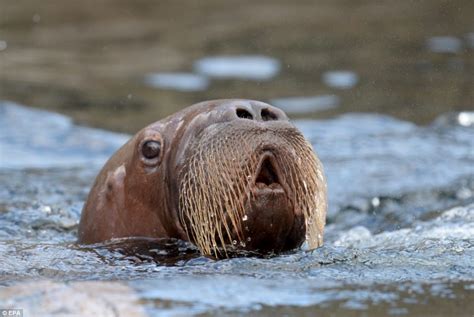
(224, 174)
(247, 179)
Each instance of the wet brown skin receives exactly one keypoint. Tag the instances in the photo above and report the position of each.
(135, 196)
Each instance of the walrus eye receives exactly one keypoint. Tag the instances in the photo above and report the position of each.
(151, 149)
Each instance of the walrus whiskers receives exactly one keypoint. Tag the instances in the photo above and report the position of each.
(216, 184)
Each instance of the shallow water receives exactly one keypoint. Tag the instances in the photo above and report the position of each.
(399, 239)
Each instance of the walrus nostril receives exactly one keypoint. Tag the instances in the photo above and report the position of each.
(244, 114)
(267, 174)
(268, 115)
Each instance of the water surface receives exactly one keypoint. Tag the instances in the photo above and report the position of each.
(399, 239)
(142, 60)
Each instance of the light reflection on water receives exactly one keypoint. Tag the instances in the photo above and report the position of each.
(177, 81)
(444, 44)
(302, 105)
(246, 67)
(340, 79)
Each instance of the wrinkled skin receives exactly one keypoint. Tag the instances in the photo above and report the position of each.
(176, 195)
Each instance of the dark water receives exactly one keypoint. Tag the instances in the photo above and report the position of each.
(399, 239)
(142, 60)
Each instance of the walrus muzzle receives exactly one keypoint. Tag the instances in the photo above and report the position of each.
(253, 186)
(227, 175)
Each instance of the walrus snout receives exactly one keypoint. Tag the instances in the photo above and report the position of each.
(253, 110)
(249, 179)
(243, 111)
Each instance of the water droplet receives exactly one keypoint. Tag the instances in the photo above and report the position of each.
(249, 239)
(234, 242)
(245, 218)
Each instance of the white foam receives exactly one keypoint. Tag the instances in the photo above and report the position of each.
(456, 224)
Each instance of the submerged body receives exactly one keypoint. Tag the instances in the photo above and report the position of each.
(219, 173)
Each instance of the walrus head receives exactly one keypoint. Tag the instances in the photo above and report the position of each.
(224, 174)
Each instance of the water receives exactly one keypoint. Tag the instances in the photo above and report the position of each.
(305, 105)
(241, 67)
(29, 141)
(470, 40)
(399, 239)
(178, 81)
(444, 44)
(341, 79)
(247, 67)
(88, 61)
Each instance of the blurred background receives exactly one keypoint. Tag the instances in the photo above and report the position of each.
(122, 64)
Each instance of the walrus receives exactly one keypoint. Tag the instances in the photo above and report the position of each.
(222, 174)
